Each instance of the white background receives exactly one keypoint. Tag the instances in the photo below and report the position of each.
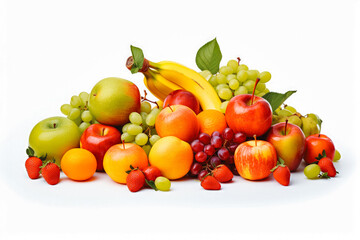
(51, 50)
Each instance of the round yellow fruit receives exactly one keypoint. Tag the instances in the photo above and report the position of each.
(78, 164)
(172, 156)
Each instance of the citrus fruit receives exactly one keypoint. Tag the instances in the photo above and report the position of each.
(172, 156)
(78, 164)
(211, 120)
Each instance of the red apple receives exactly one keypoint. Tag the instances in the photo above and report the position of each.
(249, 114)
(289, 142)
(315, 144)
(98, 139)
(254, 159)
(182, 97)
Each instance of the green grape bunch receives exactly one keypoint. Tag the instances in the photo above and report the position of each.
(78, 112)
(141, 127)
(235, 79)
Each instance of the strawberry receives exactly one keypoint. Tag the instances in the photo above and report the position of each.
(135, 180)
(222, 173)
(327, 166)
(33, 164)
(281, 173)
(51, 172)
(151, 173)
(210, 183)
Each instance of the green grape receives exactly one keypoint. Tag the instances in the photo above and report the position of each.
(220, 86)
(206, 74)
(94, 121)
(135, 118)
(309, 126)
(277, 110)
(84, 96)
(144, 116)
(261, 87)
(291, 109)
(233, 64)
(257, 92)
(83, 126)
(249, 84)
(265, 77)
(253, 74)
(242, 67)
(141, 139)
(153, 139)
(284, 113)
(221, 78)
(337, 156)
(275, 119)
(313, 116)
(213, 81)
(86, 116)
(147, 149)
(150, 119)
(225, 93)
(162, 183)
(261, 94)
(223, 106)
(77, 120)
(134, 129)
(155, 111)
(241, 90)
(125, 127)
(266, 90)
(126, 137)
(230, 76)
(312, 171)
(234, 84)
(145, 107)
(65, 109)
(226, 70)
(242, 75)
(292, 119)
(75, 101)
(74, 113)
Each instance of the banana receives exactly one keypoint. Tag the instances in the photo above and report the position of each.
(189, 80)
(158, 85)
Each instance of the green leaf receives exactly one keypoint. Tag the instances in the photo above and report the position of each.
(209, 56)
(276, 99)
(138, 57)
(30, 152)
(151, 184)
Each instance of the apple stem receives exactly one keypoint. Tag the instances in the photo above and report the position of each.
(54, 125)
(253, 94)
(255, 140)
(170, 107)
(123, 142)
(102, 131)
(239, 59)
(286, 123)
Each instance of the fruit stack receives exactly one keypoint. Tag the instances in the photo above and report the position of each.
(207, 125)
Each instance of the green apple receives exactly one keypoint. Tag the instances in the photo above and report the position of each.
(54, 136)
(113, 99)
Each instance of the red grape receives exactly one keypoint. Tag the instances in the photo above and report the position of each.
(197, 146)
(216, 133)
(204, 138)
(228, 134)
(202, 174)
(232, 147)
(239, 137)
(215, 161)
(196, 168)
(209, 149)
(200, 157)
(223, 154)
(231, 159)
(216, 141)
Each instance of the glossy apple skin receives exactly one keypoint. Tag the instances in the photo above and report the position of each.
(289, 147)
(118, 158)
(182, 97)
(97, 139)
(249, 119)
(254, 162)
(113, 99)
(315, 144)
(54, 136)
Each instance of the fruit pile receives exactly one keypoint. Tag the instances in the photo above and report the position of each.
(209, 125)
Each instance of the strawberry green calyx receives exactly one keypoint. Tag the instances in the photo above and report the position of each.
(280, 163)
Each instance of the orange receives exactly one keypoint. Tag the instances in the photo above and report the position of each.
(172, 156)
(211, 120)
(118, 158)
(78, 164)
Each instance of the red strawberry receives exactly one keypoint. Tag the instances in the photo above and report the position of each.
(135, 180)
(281, 173)
(151, 173)
(222, 173)
(33, 164)
(210, 183)
(327, 166)
(51, 172)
